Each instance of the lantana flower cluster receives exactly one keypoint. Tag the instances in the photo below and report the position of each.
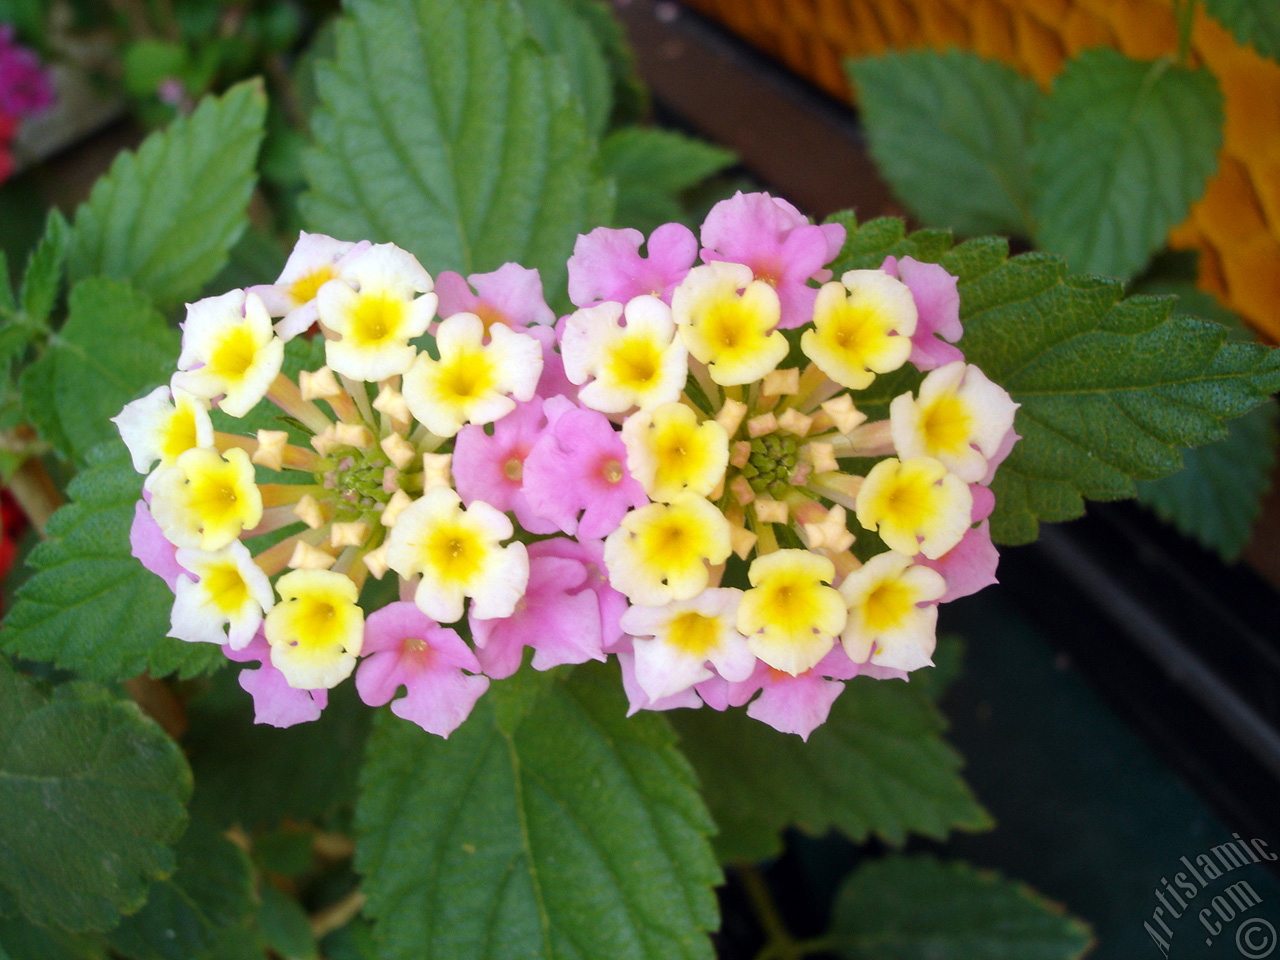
(679, 473)
(25, 90)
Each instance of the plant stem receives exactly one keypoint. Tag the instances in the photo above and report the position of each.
(36, 493)
(779, 944)
(1185, 12)
(337, 915)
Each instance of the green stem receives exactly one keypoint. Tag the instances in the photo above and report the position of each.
(1185, 11)
(779, 944)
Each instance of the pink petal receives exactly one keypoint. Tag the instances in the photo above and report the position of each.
(969, 566)
(148, 545)
(639, 700)
(607, 265)
(274, 702)
(938, 306)
(796, 705)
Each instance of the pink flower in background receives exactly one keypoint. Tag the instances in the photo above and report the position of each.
(510, 295)
(607, 265)
(25, 86)
(274, 701)
(778, 243)
(937, 307)
(612, 604)
(404, 647)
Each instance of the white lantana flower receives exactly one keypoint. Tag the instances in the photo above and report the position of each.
(458, 553)
(375, 310)
(473, 381)
(675, 642)
(231, 591)
(229, 349)
(642, 364)
(163, 426)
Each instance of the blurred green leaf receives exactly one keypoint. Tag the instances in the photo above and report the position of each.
(1252, 22)
(906, 908)
(43, 276)
(652, 168)
(951, 132)
(1120, 150)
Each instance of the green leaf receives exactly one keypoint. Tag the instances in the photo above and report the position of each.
(7, 300)
(1252, 22)
(164, 218)
(939, 119)
(43, 275)
(257, 775)
(563, 33)
(185, 915)
(905, 908)
(579, 835)
(284, 925)
(652, 168)
(1110, 387)
(90, 606)
(1217, 495)
(91, 796)
(443, 129)
(113, 346)
(22, 940)
(878, 767)
(1121, 149)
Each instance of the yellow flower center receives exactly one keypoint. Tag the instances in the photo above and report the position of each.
(611, 470)
(887, 606)
(234, 355)
(466, 375)
(304, 289)
(947, 424)
(214, 497)
(635, 362)
(226, 587)
(855, 329)
(315, 622)
(377, 318)
(513, 470)
(455, 553)
(693, 633)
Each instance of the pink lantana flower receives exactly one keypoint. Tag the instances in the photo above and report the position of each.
(149, 547)
(612, 603)
(937, 309)
(274, 702)
(969, 566)
(491, 468)
(559, 616)
(315, 260)
(25, 86)
(406, 648)
(607, 265)
(778, 243)
(554, 382)
(802, 703)
(579, 466)
(511, 295)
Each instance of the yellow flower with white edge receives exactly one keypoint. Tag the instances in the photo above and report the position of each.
(669, 452)
(316, 631)
(374, 309)
(886, 624)
(916, 506)
(675, 643)
(729, 320)
(163, 425)
(661, 551)
(458, 552)
(204, 500)
(230, 591)
(959, 419)
(791, 615)
(862, 326)
(641, 364)
(473, 381)
(229, 349)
